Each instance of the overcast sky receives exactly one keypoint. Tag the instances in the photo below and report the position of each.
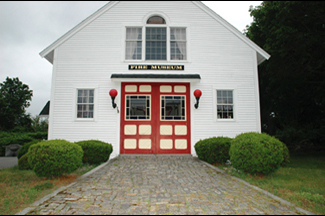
(26, 28)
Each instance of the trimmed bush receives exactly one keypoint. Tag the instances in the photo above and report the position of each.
(256, 153)
(23, 163)
(24, 149)
(212, 150)
(7, 138)
(286, 155)
(54, 157)
(95, 151)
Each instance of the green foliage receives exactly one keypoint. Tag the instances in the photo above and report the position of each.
(39, 125)
(95, 151)
(286, 155)
(212, 150)
(23, 163)
(7, 138)
(292, 81)
(24, 149)
(256, 153)
(317, 198)
(15, 97)
(53, 158)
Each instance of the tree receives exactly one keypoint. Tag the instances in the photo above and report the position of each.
(292, 80)
(39, 125)
(15, 97)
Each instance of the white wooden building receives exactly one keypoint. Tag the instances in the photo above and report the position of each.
(155, 54)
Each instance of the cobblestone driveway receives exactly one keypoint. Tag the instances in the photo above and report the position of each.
(159, 185)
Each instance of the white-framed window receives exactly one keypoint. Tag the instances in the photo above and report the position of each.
(85, 103)
(156, 40)
(156, 43)
(225, 104)
(178, 43)
(133, 43)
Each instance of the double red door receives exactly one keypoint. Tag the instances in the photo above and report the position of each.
(155, 118)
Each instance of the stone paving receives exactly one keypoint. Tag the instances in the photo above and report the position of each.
(160, 185)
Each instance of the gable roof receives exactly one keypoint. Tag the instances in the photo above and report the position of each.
(46, 109)
(47, 53)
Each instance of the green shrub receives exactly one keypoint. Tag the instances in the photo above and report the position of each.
(212, 150)
(24, 149)
(95, 151)
(256, 153)
(286, 155)
(23, 163)
(38, 135)
(7, 138)
(54, 157)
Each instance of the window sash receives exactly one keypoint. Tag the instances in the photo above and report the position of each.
(85, 103)
(133, 44)
(225, 104)
(156, 43)
(178, 48)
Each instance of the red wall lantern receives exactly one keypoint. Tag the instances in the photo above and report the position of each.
(197, 94)
(113, 94)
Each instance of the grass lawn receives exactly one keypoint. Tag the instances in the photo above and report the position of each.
(301, 182)
(21, 188)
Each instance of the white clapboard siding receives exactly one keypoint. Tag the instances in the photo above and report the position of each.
(90, 56)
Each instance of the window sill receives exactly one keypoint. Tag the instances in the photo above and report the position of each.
(225, 120)
(84, 120)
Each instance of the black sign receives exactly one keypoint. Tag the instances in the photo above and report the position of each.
(156, 67)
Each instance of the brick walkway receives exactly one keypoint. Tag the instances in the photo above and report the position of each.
(159, 185)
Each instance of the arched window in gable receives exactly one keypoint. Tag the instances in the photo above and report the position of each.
(153, 41)
(156, 20)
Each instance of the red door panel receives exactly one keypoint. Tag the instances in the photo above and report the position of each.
(155, 118)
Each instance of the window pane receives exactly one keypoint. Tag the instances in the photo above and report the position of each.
(138, 107)
(80, 92)
(133, 44)
(133, 34)
(133, 50)
(178, 44)
(79, 108)
(173, 108)
(156, 20)
(85, 102)
(156, 44)
(224, 97)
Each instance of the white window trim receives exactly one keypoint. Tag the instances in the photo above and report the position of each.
(143, 25)
(235, 101)
(75, 100)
